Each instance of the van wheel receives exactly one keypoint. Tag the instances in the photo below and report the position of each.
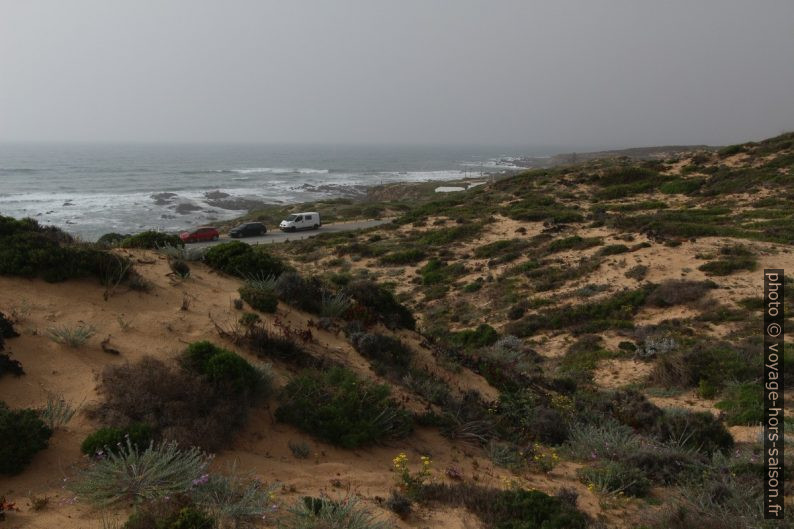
(215, 238)
(316, 226)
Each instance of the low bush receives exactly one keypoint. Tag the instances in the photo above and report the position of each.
(151, 240)
(574, 242)
(743, 404)
(133, 475)
(583, 356)
(226, 369)
(340, 408)
(112, 240)
(613, 312)
(667, 465)
(243, 260)
(303, 293)
(607, 440)
(31, 250)
(500, 248)
(612, 249)
(386, 352)
(178, 405)
(110, 439)
(616, 478)
(678, 291)
(176, 512)
(697, 430)
(483, 336)
(22, 435)
(263, 300)
(508, 509)
(728, 265)
(374, 303)
(686, 367)
(403, 257)
(335, 305)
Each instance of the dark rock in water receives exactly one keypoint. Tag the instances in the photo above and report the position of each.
(162, 199)
(215, 195)
(184, 208)
(237, 203)
(68, 204)
(167, 216)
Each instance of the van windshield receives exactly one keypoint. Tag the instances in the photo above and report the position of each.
(291, 218)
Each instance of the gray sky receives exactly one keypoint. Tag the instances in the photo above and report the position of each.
(566, 73)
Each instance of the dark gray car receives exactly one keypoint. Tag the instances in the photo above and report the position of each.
(249, 229)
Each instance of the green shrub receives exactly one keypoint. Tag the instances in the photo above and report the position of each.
(303, 293)
(374, 303)
(243, 260)
(260, 299)
(224, 368)
(613, 249)
(499, 248)
(446, 236)
(681, 186)
(730, 150)
(508, 509)
(616, 478)
(151, 240)
(483, 336)
(108, 439)
(667, 465)
(574, 242)
(403, 257)
(743, 404)
(31, 250)
(340, 408)
(583, 356)
(22, 435)
(131, 474)
(678, 291)
(613, 312)
(729, 265)
(697, 430)
(184, 518)
(111, 240)
(385, 351)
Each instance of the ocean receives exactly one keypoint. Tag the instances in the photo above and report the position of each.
(91, 189)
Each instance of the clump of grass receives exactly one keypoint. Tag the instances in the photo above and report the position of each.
(616, 478)
(322, 513)
(335, 305)
(608, 440)
(134, 475)
(343, 409)
(57, 412)
(72, 336)
(231, 499)
(179, 268)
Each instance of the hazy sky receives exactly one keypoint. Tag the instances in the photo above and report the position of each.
(552, 72)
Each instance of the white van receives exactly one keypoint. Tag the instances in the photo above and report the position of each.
(301, 221)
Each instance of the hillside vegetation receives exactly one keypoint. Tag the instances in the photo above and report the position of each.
(574, 347)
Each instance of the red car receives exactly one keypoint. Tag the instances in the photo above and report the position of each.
(204, 233)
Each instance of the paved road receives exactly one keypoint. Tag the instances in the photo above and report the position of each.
(279, 236)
